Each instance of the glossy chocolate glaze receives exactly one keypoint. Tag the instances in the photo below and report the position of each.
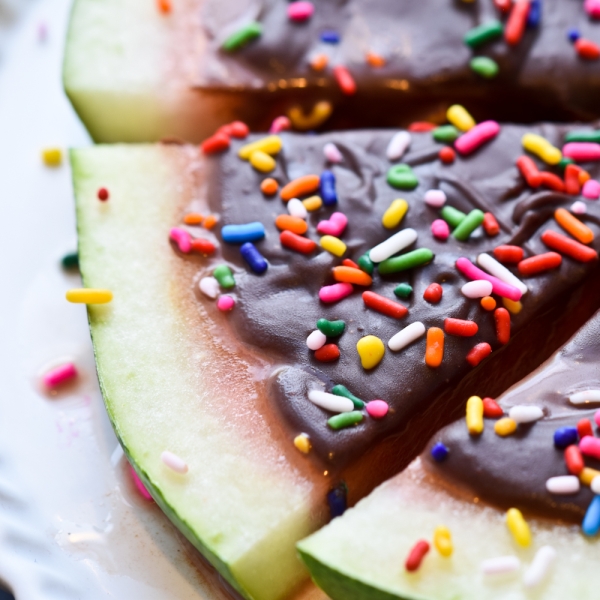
(426, 58)
(277, 310)
(512, 471)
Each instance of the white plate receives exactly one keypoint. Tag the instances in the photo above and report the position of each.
(72, 525)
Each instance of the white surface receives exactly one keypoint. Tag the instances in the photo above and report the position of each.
(72, 525)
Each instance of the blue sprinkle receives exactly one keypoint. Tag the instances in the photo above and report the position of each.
(591, 521)
(573, 34)
(238, 234)
(254, 258)
(439, 452)
(337, 500)
(565, 436)
(535, 14)
(327, 184)
(330, 36)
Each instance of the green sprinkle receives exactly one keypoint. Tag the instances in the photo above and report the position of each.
(366, 264)
(484, 66)
(342, 390)
(224, 276)
(564, 161)
(483, 33)
(404, 290)
(452, 216)
(446, 134)
(70, 261)
(468, 225)
(331, 328)
(345, 420)
(402, 177)
(583, 136)
(242, 37)
(416, 258)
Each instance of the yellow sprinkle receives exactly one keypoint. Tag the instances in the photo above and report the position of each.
(262, 162)
(587, 475)
(542, 148)
(302, 442)
(89, 296)
(313, 203)
(518, 527)
(269, 145)
(505, 426)
(319, 114)
(394, 214)
(442, 540)
(333, 245)
(475, 415)
(52, 157)
(512, 306)
(460, 118)
(371, 351)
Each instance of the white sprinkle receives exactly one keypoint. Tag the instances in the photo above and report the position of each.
(331, 402)
(316, 340)
(477, 289)
(563, 484)
(393, 244)
(500, 565)
(587, 397)
(578, 207)
(398, 145)
(595, 485)
(174, 462)
(332, 153)
(525, 414)
(296, 208)
(406, 336)
(435, 198)
(209, 286)
(493, 267)
(540, 566)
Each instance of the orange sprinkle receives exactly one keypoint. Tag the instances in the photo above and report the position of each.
(434, 352)
(210, 221)
(164, 6)
(193, 219)
(351, 275)
(307, 184)
(269, 186)
(290, 223)
(488, 303)
(375, 60)
(584, 176)
(319, 62)
(573, 226)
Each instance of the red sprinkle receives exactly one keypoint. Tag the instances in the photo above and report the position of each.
(572, 185)
(296, 242)
(508, 254)
(478, 353)
(216, 143)
(327, 353)
(515, 25)
(568, 246)
(490, 224)
(344, 80)
(103, 194)
(350, 263)
(552, 181)
(203, 246)
(460, 327)
(491, 409)
(502, 318)
(239, 129)
(384, 305)
(530, 171)
(421, 126)
(433, 293)
(584, 427)
(416, 555)
(587, 49)
(574, 459)
(540, 263)
(447, 155)
(503, 5)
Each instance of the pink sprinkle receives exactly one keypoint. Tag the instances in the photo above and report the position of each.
(300, 11)
(591, 189)
(592, 8)
(435, 198)
(182, 238)
(141, 488)
(578, 208)
(465, 266)
(332, 153)
(377, 409)
(440, 229)
(334, 226)
(335, 292)
(476, 136)
(597, 417)
(225, 303)
(590, 446)
(60, 375)
(280, 124)
(582, 151)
